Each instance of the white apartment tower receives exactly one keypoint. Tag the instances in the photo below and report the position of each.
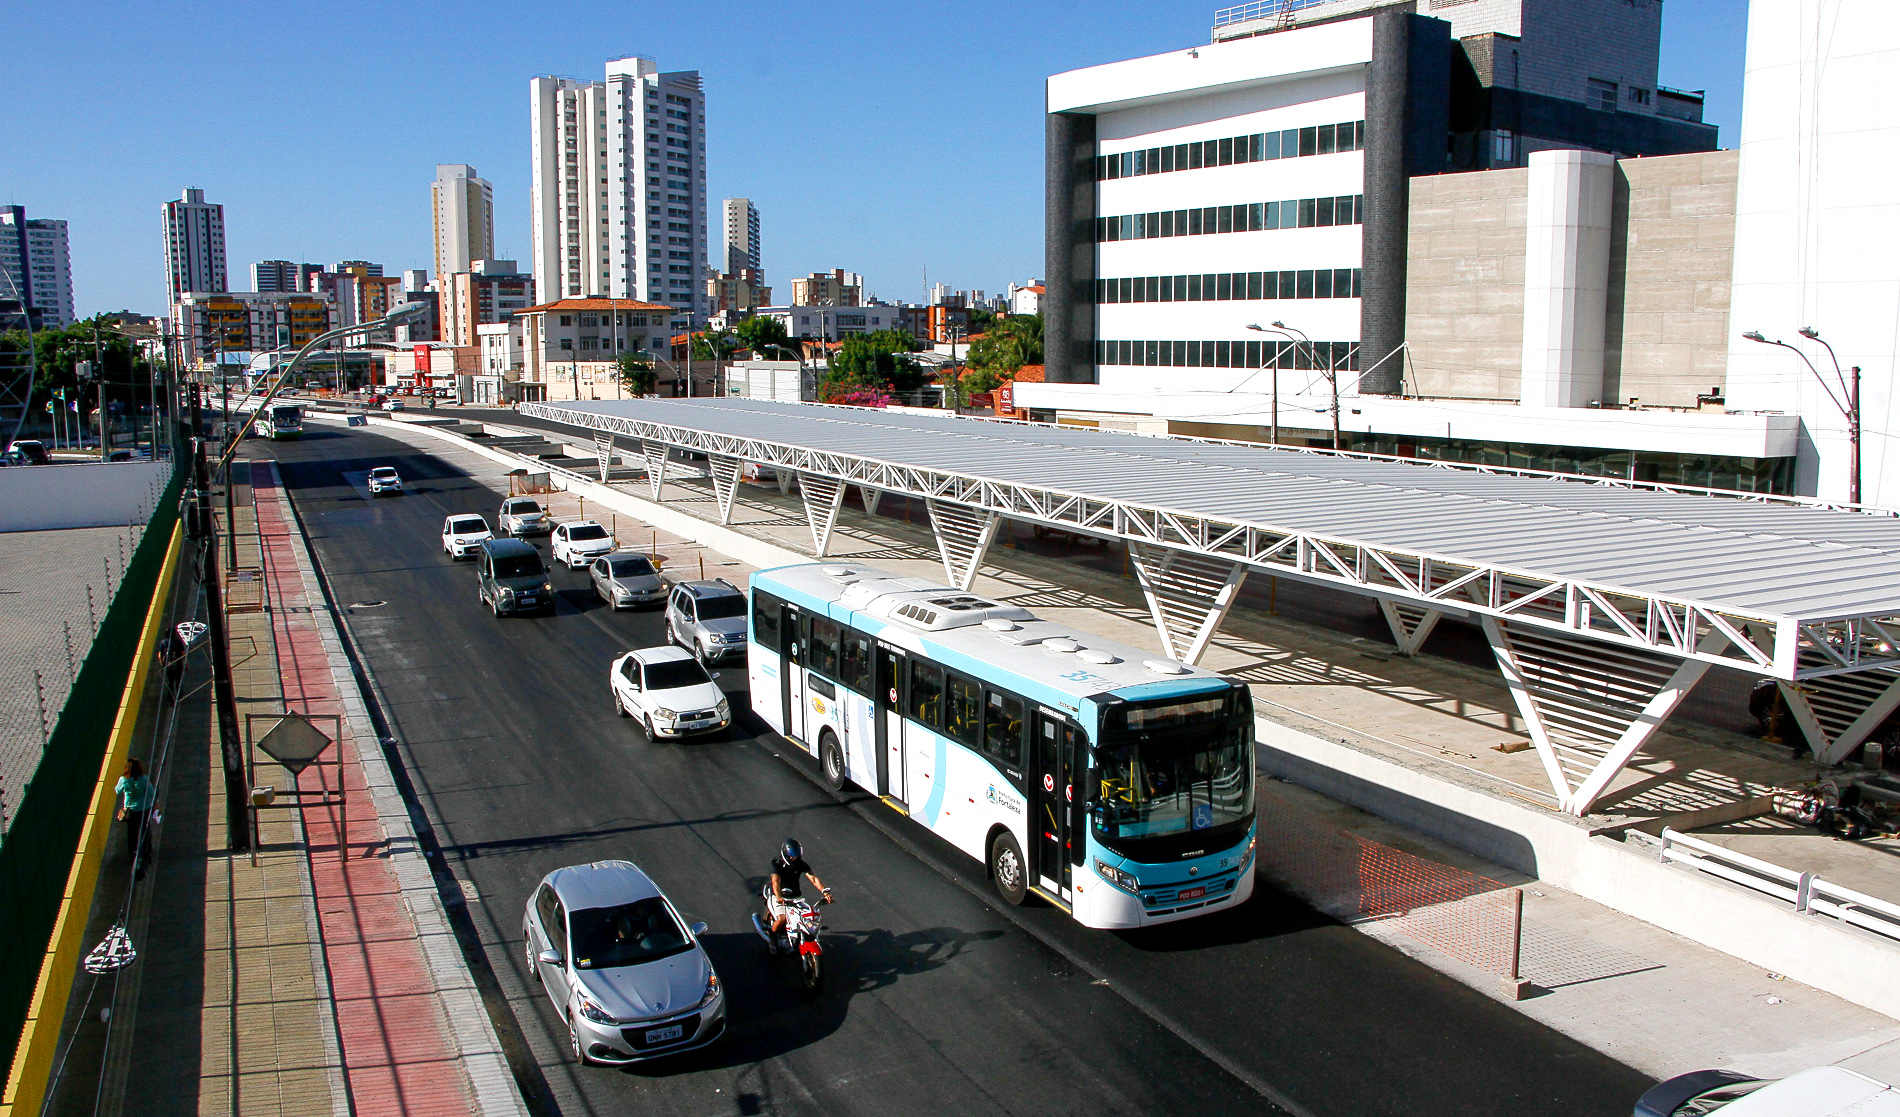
(742, 236)
(194, 246)
(464, 211)
(37, 265)
(619, 187)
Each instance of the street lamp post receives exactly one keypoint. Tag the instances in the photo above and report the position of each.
(1273, 437)
(1847, 402)
(1312, 354)
(953, 389)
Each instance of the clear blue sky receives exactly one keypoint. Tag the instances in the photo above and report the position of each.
(881, 138)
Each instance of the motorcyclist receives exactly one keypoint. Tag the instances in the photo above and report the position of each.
(788, 869)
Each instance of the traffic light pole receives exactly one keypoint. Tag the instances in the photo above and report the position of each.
(237, 822)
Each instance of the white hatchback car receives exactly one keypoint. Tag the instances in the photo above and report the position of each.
(383, 479)
(581, 542)
(462, 535)
(669, 692)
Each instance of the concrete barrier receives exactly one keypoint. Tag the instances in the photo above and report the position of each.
(88, 494)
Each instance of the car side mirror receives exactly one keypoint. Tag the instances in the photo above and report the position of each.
(549, 957)
(715, 674)
(699, 929)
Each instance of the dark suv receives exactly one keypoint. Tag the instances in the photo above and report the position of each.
(512, 578)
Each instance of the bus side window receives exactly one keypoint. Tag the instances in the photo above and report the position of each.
(965, 714)
(765, 612)
(856, 661)
(1003, 729)
(823, 657)
(926, 693)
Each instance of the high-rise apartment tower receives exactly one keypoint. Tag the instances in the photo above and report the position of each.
(38, 265)
(194, 245)
(464, 207)
(619, 187)
(273, 275)
(742, 236)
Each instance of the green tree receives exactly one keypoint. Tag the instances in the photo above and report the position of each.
(765, 336)
(1009, 344)
(980, 320)
(879, 359)
(715, 347)
(636, 373)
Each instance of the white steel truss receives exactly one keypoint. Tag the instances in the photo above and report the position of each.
(1188, 596)
(1839, 712)
(603, 452)
(1588, 707)
(725, 480)
(870, 495)
(655, 452)
(823, 496)
(1762, 644)
(1410, 624)
(963, 538)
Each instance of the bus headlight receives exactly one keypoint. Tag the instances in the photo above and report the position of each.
(1116, 877)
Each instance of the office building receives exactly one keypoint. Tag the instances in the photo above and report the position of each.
(836, 287)
(37, 263)
(742, 237)
(618, 193)
(490, 291)
(274, 275)
(194, 246)
(463, 209)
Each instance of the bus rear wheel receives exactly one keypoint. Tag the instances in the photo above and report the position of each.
(1007, 869)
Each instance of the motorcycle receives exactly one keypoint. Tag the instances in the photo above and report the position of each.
(800, 936)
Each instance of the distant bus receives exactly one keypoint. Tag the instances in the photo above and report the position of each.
(281, 420)
(1116, 785)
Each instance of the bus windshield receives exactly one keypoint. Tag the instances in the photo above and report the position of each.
(289, 413)
(1174, 768)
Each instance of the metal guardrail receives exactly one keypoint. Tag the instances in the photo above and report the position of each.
(1261, 9)
(1807, 892)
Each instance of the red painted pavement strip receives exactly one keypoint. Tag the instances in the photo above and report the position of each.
(397, 1053)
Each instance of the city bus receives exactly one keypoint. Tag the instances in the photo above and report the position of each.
(280, 420)
(1116, 785)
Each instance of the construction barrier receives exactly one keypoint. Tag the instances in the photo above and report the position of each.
(1469, 917)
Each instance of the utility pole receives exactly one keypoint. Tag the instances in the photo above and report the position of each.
(99, 370)
(236, 812)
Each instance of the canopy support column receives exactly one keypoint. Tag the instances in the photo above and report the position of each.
(655, 454)
(784, 478)
(870, 496)
(1838, 713)
(603, 452)
(1588, 706)
(725, 479)
(823, 496)
(1188, 596)
(1410, 625)
(963, 539)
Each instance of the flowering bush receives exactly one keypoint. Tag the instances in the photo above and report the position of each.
(852, 396)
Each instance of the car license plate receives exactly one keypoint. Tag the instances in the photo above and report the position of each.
(661, 1035)
(695, 724)
(527, 599)
(1190, 893)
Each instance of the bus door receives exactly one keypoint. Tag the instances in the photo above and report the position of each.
(889, 746)
(1054, 771)
(791, 672)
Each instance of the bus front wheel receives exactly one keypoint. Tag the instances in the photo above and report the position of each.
(1007, 869)
(832, 758)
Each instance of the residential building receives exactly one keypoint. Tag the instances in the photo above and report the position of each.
(570, 348)
(416, 279)
(836, 287)
(365, 267)
(1291, 143)
(37, 263)
(938, 323)
(463, 209)
(211, 323)
(490, 291)
(829, 323)
(194, 246)
(500, 362)
(742, 237)
(306, 276)
(618, 194)
(425, 326)
(1026, 299)
(274, 275)
(737, 294)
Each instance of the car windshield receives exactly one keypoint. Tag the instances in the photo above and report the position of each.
(633, 567)
(720, 608)
(587, 531)
(675, 673)
(518, 566)
(1174, 767)
(522, 507)
(385, 471)
(468, 525)
(626, 935)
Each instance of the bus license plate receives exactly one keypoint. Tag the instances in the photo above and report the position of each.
(1191, 893)
(661, 1035)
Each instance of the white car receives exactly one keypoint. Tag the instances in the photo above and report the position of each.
(522, 516)
(392, 404)
(1819, 1092)
(668, 692)
(383, 479)
(462, 535)
(581, 542)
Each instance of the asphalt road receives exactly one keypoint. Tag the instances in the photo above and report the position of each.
(940, 999)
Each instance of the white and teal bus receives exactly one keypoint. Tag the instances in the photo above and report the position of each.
(1116, 785)
(281, 420)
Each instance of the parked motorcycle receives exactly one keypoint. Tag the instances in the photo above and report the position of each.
(799, 938)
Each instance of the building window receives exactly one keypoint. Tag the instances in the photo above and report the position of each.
(1639, 96)
(1601, 95)
(1324, 139)
(1291, 213)
(567, 343)
(1340, 355)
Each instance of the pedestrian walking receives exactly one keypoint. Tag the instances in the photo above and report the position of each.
(135, 801)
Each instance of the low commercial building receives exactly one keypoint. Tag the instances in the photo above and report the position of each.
(499, 362)
(829, 323)
(570, 349)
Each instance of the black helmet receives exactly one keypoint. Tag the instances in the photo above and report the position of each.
(791, 851)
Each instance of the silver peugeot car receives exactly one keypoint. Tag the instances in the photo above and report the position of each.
(623, 969)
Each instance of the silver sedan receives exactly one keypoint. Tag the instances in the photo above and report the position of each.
(626, 580)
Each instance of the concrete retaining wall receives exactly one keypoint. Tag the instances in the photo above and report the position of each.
(93, 494)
